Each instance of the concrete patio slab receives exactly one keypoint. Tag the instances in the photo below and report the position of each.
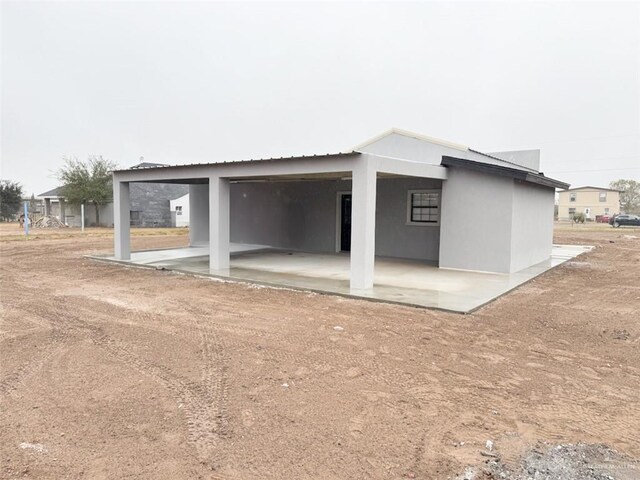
(396, 280)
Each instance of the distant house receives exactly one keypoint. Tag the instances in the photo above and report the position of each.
(149, 205)
(592, 201)
(56, 205)
(180, 211)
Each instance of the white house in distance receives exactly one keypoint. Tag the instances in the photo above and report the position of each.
(380, 214)
(180, 211)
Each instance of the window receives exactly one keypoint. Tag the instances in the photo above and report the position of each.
(134, 218)
(572, 197)
(603, 196)
(572, 212)
(178, 209)
(606, 210)
(423, 207)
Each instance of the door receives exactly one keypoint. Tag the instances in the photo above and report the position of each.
(345, 223)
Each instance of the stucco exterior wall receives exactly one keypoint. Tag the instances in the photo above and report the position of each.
(73, 218)
(405, 147)
(532, 225)
(475, 230)
(400, 146)
(303, 216)
(180, 207)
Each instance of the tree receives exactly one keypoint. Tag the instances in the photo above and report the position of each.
(629, 194)
(10, 198)
(87, 182)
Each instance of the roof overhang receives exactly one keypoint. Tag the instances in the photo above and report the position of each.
(529, 177)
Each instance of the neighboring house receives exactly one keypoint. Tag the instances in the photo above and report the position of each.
(592, 201)
(180, 211)
(398, 195)
(150, 205)
(56, 205)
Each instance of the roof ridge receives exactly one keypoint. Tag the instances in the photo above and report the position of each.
(407, 133)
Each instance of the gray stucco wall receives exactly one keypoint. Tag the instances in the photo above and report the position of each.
(532, 225)
(475, 231)
(495, 224)
(302, 216)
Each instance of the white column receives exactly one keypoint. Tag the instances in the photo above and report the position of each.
(363, 223)
(121, 219)
(63, 215)
(47, 206)
(198, 214)
(219, 214)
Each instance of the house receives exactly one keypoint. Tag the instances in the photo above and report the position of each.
(392, 211)
(150, 206)
(180, 211)
(56, 205)
(592, 201)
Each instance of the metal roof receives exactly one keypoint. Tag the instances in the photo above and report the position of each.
(537, 178)
(55, 192)
(148, 165)
(297, 157)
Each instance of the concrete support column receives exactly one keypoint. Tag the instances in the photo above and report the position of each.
(198, 215)
(363, 224)
(47, 206)
(121, 221)
(63, 215)
(219, 216)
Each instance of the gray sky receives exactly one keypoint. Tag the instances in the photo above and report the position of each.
(180, 82)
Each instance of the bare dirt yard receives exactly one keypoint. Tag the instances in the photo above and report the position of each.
(115, 372)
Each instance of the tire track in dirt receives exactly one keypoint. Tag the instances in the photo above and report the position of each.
(11, 382)
(205, 418)
(57, 342)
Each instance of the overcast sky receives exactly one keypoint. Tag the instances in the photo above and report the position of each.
(181, 82)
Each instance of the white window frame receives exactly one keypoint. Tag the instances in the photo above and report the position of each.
(602, 197)
(423, 224)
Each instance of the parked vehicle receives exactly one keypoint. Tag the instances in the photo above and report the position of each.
(603, 218)
(621, 220)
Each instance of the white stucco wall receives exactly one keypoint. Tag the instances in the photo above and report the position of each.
(532, 225)
(182, 215)
(526, 158)
(396, 145)
(475, 231)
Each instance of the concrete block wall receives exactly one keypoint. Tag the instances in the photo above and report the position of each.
(152, 201)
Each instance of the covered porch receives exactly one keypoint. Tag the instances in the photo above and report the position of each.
(322, 204)
(411, 282)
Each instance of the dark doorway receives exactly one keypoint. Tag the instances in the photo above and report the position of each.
(345, 223)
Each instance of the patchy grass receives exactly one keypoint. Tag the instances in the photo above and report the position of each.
(11, 232)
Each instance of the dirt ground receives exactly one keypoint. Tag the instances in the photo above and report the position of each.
(115, 372)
